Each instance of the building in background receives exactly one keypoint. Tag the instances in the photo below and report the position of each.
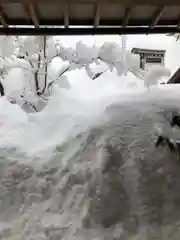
(149, 57)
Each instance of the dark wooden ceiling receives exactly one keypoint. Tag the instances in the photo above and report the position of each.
(58, 17)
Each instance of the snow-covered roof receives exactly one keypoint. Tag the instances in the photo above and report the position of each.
(148, 51)
(91, 16)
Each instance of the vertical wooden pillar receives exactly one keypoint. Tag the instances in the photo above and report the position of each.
(142, 61)
(162, 60)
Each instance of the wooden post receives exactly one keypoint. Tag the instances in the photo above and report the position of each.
(142, 61)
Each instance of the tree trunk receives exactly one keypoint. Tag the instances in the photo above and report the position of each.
(36, 75)
(45, 68)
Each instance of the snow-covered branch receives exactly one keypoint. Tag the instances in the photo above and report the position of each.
(30, 59)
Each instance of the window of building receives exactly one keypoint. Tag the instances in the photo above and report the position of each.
(153, 60)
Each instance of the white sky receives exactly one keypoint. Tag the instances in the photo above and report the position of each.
(156, 41)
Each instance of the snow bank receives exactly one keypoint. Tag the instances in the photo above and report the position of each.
(13, 122)
(77, 101)
(15, 83)
(69, 112)
(154, 74)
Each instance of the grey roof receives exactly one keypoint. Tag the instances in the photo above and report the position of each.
(89, 16)
(148, 51)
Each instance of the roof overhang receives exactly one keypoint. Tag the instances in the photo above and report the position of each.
(148, 51)
(82, 17)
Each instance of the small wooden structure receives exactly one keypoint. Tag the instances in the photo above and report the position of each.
(149, 56)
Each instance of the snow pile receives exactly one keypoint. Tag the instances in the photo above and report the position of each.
(57, 166)
(67, 113)
(56, 173)
(15, 83)
(12, 124)
(155, 74)
(75, 96)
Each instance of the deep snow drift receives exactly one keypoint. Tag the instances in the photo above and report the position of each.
(86, 166)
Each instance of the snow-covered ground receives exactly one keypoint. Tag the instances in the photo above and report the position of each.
(86, 166)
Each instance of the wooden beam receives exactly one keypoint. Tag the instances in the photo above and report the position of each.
(156, 17)
(97, 16)
(178, 22)
(26, 12)
(122, 2)
(164, 23)
(66, 15)
(126, 17)
(33, 15)
(23, 31)
(3, 18)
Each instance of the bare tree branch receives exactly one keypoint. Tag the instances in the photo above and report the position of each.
(26, 103)
(50, 84)
(46, 65)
